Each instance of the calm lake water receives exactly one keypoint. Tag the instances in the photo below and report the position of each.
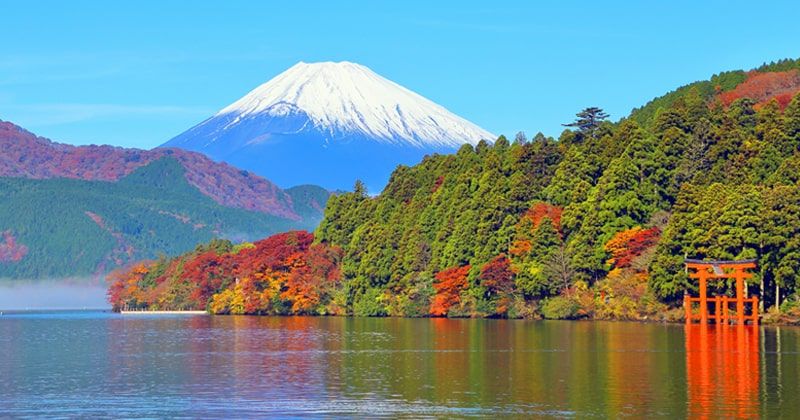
(93, 364)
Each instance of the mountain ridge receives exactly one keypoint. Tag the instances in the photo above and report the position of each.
(29, 156)
(349, 97)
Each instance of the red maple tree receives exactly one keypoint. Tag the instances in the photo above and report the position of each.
(449, 285)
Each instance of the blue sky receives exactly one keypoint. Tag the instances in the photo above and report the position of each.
(140, 73)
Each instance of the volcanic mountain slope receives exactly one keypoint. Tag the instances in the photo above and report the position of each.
(80, 211)
(329, 124)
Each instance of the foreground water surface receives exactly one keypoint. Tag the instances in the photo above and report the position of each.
(94, 363)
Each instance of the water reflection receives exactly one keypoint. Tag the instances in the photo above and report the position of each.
(89, 366)
(722, 370)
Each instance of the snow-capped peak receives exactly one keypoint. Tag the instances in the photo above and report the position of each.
(347, 98)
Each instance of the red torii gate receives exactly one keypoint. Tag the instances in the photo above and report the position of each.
(714, 270)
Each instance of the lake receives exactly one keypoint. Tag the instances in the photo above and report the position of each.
(89, 364)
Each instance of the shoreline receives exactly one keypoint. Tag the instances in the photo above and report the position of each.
(769, 322)
(164, 312)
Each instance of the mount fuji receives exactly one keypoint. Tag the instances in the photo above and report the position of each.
(329, 124)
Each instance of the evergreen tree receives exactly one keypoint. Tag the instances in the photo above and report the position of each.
(588, 121)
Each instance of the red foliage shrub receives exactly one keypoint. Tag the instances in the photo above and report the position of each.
(206, 272)
(782, 99)
(764, 86)
(498, 279)
(272, 253)
(438, 183)
(542, 210)
(449, 285)
(10, 250)
(496, 275)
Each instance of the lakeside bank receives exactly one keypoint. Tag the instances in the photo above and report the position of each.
(147, 312)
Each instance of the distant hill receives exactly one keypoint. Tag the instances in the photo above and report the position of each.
(82, 211)
(72, 228)
(25, 155)
(308, 201)
(329, 124)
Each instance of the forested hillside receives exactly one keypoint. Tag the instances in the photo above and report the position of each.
(712, 174)
(596, 223)
(55, 228)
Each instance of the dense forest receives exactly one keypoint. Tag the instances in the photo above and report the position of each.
(596, 223)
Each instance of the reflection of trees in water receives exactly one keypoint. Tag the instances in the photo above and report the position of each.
(592, 368)
(584, 368)
(279, 355)
(723, 372)
(780, 371)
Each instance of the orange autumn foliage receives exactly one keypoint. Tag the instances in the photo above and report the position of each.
(542, 210)
(309, 275)
(628, 244)
(284, 274)
(125, 285)
(535, 215)
(449, 285)
(519, 248)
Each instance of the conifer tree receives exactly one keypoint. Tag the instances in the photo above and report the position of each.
(588, 121)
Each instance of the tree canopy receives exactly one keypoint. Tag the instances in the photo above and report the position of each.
(596, 223)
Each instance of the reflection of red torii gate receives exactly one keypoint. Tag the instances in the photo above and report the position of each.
(715, 270)
(723, 374)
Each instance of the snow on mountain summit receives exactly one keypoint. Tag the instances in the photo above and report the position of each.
(329, 124)
(348, 98)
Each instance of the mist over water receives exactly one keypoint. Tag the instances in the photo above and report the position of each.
(52, 294)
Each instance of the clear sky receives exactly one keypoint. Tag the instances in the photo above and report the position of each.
(138, 74)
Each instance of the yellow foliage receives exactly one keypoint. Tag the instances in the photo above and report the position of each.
(236, 305)
(221, 302)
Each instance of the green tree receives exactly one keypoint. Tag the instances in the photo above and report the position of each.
(588, 121)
